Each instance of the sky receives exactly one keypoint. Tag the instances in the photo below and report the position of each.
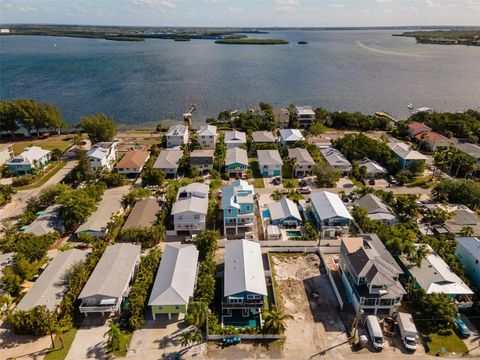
(245, 13)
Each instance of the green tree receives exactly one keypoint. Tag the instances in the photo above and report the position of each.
(8, 118)
(99, 127)
(417, 167)
(467, 231)
(206, 243)
(196, 313)
(135, 195)
(76, 207)
(115, 337)
(152, 176)
(12, 282)
(191, 337)
(274, 321)
(37, 321)
(56, 154)
(327, 176)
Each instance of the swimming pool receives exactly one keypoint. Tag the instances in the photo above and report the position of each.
(294, 233)
(266, 213)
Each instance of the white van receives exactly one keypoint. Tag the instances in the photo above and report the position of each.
(374, 332)
(408, 331)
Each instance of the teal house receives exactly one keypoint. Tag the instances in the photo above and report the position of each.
(238, 208)
(236, 162)
(405, 155)
(31, 158)
(270, 162)
(468, 252)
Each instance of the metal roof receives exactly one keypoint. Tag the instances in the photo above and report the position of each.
(469, 149)
(406, 152)
(45, 223)
(263, 136)
(235, 137)
(29, 155)
(335, 157)
(110, 204)
(231, 193)
(49, 288)
(269, 157)
(243, 268)
(329, 205)
(143, 214)
(472, 244)
(207, 129)
(372, 167)
(177, 130)
(113, 271)
(284, 208)
(175, 280)
(236, 155)
(192, 204)
(168, 159)
(291, 135)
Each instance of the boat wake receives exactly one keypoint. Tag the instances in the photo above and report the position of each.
(385, 52)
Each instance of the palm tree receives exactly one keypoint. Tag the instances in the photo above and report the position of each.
(115, 337)
(276, 195)
(193, 336)
(467, 231)
(197, 313)
(59, 334)
(274, 321)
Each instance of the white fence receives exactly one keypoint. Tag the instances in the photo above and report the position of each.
(248, 337)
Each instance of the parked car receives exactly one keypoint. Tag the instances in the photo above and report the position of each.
(375, 332)
(304, 190)
(371, 182)
(392, 180)
(461, 329)
(408, 331)
(276, 181)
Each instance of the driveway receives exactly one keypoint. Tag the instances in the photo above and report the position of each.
(90, 342)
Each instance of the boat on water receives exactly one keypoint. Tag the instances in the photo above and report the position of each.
(410, 106)
(422, 110)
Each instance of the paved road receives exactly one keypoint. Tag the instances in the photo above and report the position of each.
(16, 207)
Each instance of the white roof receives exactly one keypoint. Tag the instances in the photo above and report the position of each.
(472, 244)
(243, 268)
(175, 280)
(373, 167)
(49, 288)
(335, 157)
(283, 208)
(291, 135)
(435, 276)
(304, 110)
(236, 155)
(97, 153)
(406, 152)
(198, 188)
(29, 155)
(177, 130)
(193, 204)
(235, 137)
(269, 157)
(329, 205)
(229, 193)
(206, 130)
(168, 159)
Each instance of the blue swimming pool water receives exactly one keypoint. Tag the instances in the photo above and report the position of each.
(266, 213)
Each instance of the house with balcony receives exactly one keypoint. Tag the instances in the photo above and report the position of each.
(377, 209)
(303, 163)
(6, 153)
(202, 160)
(234, 139)
(49, 288)
(406, 155)
(284, 213)
(31, 158)
(337, 160)
(109, 284)
(435, 276)
(305, 116)
(132, 163)
(236, 162)
(270, 163)
(330, 214)
(174, 284)
(238, 208)
(190, 210)
(207, 136)
(103, 155)
(289, 137)
(176, 136)
(468, 252)
(169, 161)
(244, 284)
(370, 275)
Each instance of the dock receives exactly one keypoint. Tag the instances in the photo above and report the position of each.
(188, 115)
(385, 115)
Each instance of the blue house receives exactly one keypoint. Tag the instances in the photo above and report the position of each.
(468, 252)
(284, 212)
(31, 158)
(238, 208)
(244, 284)
(406, 155)
(236, 162)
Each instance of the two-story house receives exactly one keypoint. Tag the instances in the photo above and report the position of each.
(330, 214)
(202, 160)
(31, 158)
(468, 252)
(177, 136)
(236, 162)
(207, 136)
(406, 155)
(238, 208)
(169, 161)
(370, 275)
(305, 116)
(103, 155)
(233, 139)
(244, 284)
(337, 160)
(132, 163)
(290, 136)
(270, 162)
(190, 209)
(303, 163)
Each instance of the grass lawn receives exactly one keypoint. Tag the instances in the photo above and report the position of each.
(45, 178)
(423, 181)
(61, 353)
(258, 183)
(124, 346)
(257, 176)
(47, 144)
(356, 182)
(446, 339)
(290, 183)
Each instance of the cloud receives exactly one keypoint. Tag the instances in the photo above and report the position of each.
(235, 10)
(337, 6)
(432, 3)
(157, 4)
(287, 2)
(214, 1)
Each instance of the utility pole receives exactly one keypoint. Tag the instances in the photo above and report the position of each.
(356, 321)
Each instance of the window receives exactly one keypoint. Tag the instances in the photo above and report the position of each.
(253, 296)
(248, 209)
(229, 211)
(160, 308)
(177, 307)
(233, 300)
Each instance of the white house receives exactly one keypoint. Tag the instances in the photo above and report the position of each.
(207, 136)
(132, 163)
(103, 154)
(290, 136)
(336, 159)
(235, 139)
(330, 213)
(6, 153)
(305, 115)
(177, 136)
(270, 162)
(31, 158)
(190, 210)
(374, 170)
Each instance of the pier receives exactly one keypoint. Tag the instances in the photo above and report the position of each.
(386, 115)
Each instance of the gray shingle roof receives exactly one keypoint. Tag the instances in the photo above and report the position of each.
(236, 155)
(269, 157)
(108, 206)
(112, 273)
(235, 137)
(470, 149)
(291, 135)
(143, 214)
(49, 288)
(45, 223)
(263, 137)
(175, 280)
(335, 157)
(168, 159)
(301, 156)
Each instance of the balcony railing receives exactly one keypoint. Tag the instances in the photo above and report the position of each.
(244, 305)
(98, 308)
